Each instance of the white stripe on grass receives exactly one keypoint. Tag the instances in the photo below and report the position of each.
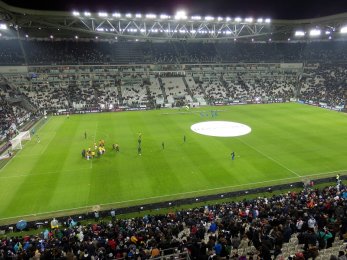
(173, 195)
(269, 157)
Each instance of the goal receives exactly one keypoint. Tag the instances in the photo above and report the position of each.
(16, 142)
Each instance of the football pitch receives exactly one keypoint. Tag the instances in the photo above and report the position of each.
(288, 142)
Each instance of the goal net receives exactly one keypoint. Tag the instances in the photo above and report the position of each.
(16, 142)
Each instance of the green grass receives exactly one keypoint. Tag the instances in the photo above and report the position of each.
(288, 142)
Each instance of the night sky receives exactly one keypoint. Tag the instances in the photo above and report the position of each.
(280, 9)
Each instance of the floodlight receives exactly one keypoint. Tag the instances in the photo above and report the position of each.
(75, 13)
(220, 18)
(151, 16)
(180, 15)
(327, 32)
(267, 20)
(228, 19)
(329, 37)
(138, 15)
(209, 18)
(51, 36)
(3, 26)
(164, 16)
(196, 17)
(288, 39)
(116, 15)
(128, 15)
(87, 14)
(102, 14)
(228, 32)
(26, 36)
(299, 33)
(342, 30)
(315, 32)
(142, 30)
(0, 34)
(252, 40)
(76, 37)
(249, 20)
(260, 20)
(238, 19)
(100, 29)
(192, 31)
(96, 37)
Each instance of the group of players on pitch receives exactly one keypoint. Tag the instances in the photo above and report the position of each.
(100, 149)
(96, 152)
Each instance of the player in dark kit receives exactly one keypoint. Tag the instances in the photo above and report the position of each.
(139, 150)
(232, 155)
(163, 145)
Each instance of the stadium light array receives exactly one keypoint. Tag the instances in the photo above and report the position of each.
(260, 20)
(343, 29)
(220, 18)
(315, 32)
(164, 16)
(228, 19)
(87, 14)
(3, 26)
(249, 20)
(299, 33)
(151, 16)
(327, 32)
(238, 19)
(196, 17)
(116, 15)
(209, 18)
(75, 13)
(267, 20)
(102, 14)
(138, 15)
(181, 15)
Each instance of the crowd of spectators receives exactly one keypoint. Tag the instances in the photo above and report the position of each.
(276, 227)
(11, 115)
(325, 83)
(35, 52)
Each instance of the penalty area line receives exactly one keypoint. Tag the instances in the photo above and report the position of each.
(270, 158)
(168, 195)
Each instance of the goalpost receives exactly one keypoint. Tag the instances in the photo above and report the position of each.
(16, 142)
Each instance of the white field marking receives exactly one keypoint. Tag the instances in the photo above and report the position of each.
(21, 149)
(44, 173)
(221, 128)
(269, 157)
(170, 195)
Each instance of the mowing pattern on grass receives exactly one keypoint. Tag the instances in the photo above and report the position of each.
(288, 142)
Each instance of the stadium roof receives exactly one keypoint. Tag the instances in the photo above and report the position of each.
(79, 24)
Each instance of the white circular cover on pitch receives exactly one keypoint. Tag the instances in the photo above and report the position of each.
(221, 128)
